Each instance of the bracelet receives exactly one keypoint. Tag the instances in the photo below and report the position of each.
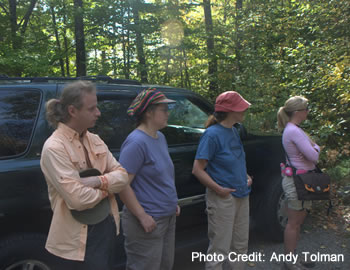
(104, 182)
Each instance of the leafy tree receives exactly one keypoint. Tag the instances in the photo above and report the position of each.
(266, 50)
(16, 19)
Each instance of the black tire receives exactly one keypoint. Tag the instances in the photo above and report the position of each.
(25, 251)
(273, 212)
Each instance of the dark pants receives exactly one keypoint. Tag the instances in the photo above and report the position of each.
(99, 249)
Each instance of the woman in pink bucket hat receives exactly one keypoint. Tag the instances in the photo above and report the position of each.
(220, 165)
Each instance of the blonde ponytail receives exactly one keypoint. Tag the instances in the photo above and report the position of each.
(292, 105)
(282, 119)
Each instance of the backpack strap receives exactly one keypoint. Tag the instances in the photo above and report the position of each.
(289, 162)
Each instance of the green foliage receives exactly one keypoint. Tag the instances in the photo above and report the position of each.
(267, 51)
(296, 49)
(340, 170)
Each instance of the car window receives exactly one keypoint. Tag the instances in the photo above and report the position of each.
(185, 124)
(114, 125)
(186, 121)
(18, 110)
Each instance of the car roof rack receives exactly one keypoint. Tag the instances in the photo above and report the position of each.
(106, 79)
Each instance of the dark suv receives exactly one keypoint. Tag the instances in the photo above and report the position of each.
(25, 212)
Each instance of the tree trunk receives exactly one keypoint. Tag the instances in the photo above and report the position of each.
(115, 72)
(25, 20)
(125, 43)
(181, 68)
(59, 51)
(104, 65)
(213, 65)
(239, 5)
(66, 49)
(187, 77)
(22, 25)
(166, 75)
(128, 48)
(181, 74)
(13, 22)
(142, 69)
(79, 38)
(125, 71)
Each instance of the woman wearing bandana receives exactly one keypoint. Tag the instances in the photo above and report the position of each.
(150, 210)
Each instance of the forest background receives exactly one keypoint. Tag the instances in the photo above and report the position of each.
(267, 50)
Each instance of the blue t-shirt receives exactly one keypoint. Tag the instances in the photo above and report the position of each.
(223, 149)
(154, 182)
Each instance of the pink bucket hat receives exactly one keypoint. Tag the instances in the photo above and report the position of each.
(231, 101)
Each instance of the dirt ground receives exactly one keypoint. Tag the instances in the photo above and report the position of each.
(325, 239)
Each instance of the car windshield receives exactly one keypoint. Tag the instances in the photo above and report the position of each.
(186, 114)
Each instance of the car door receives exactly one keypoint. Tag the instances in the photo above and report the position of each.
(185, 127)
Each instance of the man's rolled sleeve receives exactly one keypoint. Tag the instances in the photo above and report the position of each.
(117, 177)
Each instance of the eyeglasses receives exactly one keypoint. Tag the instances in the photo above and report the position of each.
(306, 109)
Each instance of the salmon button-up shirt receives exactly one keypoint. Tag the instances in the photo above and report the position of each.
(62, 159)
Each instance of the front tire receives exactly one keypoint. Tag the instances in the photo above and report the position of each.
(273, 210)
(25, 251)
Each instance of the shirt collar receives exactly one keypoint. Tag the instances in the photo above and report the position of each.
(70, 133)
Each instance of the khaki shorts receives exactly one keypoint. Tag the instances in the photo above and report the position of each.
(292, 197)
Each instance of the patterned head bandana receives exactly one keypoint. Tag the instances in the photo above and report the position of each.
(146, 98)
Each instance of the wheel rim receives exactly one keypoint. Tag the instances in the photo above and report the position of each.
(282, 210)
(28, 265)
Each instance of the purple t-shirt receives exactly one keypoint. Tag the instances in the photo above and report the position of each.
(302, 154)
(154, 182)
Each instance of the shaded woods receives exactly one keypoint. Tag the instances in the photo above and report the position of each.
(265, 49)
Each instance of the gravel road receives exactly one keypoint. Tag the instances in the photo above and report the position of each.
(323, 238)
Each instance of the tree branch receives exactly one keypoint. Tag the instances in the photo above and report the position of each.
(26, 17)
(4, 8)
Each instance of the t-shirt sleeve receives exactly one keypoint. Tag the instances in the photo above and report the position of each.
(131, 156)
(206, 148)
